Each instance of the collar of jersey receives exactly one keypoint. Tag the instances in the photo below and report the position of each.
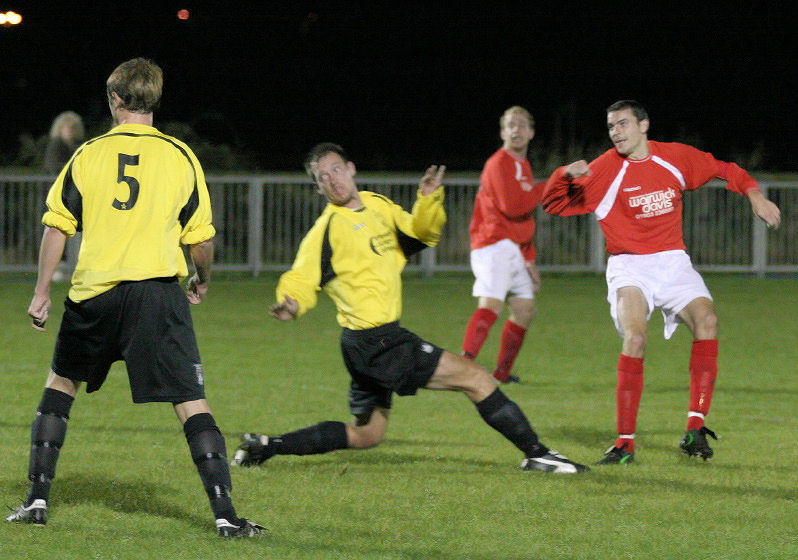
(133, 127)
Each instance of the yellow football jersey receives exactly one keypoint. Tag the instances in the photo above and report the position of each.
(135, 194)
(357, 257)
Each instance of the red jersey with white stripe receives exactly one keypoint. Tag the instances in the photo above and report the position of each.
(638, 203)
(505, 203)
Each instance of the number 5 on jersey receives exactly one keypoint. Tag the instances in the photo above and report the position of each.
(132, 182)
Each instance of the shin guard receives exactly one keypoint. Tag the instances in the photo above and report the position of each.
(207, 447)
(47, 435)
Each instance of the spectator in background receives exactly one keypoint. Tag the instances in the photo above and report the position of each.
(502, 251)
(66, 134)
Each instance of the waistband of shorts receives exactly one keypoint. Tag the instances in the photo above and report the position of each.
(650, 255)
(382, 329)
(162, 279)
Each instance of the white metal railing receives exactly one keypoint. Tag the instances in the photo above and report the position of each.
(261, 219)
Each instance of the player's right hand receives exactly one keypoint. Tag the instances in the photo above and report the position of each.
(39, 311)
(286, 309)
(577, 169)
(196, 290)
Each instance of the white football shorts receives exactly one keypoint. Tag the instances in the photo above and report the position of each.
(500, 271)
(667, 279)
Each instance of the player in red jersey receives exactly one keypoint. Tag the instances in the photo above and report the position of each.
(635, 191)
(502, 251)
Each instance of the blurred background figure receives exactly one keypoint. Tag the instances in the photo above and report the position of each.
(66, 134)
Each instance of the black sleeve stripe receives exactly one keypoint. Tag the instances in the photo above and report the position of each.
(193, 200)
(191, 206)
(71, 197)
(410, 245)
(327, 272)
(382, 197)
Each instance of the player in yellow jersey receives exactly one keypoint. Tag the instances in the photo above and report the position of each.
(136, 194)
(356, 252)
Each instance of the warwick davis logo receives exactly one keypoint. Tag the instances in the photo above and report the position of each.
(653, 204)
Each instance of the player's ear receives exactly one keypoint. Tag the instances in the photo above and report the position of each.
(644, 126)
(351, 166)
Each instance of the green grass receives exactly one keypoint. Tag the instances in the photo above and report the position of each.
(442, 485)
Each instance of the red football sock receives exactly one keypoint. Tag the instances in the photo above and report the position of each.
(703, 371)
(477, 331)
(512, 338)
(628, 391)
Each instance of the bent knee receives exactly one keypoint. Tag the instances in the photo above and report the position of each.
(634, 343)
(707, 326)
(363, 437)
(364, 441)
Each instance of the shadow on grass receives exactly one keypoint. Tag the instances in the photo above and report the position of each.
(617, 480)
(116, 495)
(370, 457)
(332, 542)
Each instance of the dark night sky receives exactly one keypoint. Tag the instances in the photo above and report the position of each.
(410, 84)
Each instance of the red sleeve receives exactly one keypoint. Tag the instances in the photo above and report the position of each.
(737, 179)
(562, 197)
(703, 167)
(568, 197)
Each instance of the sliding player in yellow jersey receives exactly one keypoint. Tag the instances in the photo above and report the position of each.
(356, 252)
(136, 194)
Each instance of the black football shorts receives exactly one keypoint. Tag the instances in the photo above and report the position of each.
(385, 360)
(145, 323)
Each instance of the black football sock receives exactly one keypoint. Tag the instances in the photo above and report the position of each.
(47, 435)
(504, 416)
(321, 438)
(207, 447)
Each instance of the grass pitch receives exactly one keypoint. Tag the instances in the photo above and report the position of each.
(442, 485)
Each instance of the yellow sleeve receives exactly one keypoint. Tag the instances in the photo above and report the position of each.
(426, 221)
(58, 215)
(303, 281)
(196, 217)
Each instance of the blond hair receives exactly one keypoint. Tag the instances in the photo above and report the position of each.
(68, 118)
(139, 83)
(516, 110)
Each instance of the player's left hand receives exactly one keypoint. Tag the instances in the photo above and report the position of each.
(534, 274)
(39, 310)
(432, 179)
(196, 290)
(766, 210)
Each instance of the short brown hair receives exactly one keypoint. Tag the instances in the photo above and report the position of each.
(319, 151)
(637, 109)
(139, 83)
(519, 110)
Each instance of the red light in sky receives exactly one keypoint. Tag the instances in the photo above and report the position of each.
(183, 14)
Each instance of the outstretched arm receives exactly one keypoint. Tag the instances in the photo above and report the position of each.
(563, 196)
(50, 252)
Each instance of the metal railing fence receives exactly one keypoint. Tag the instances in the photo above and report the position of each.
(260, 220)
